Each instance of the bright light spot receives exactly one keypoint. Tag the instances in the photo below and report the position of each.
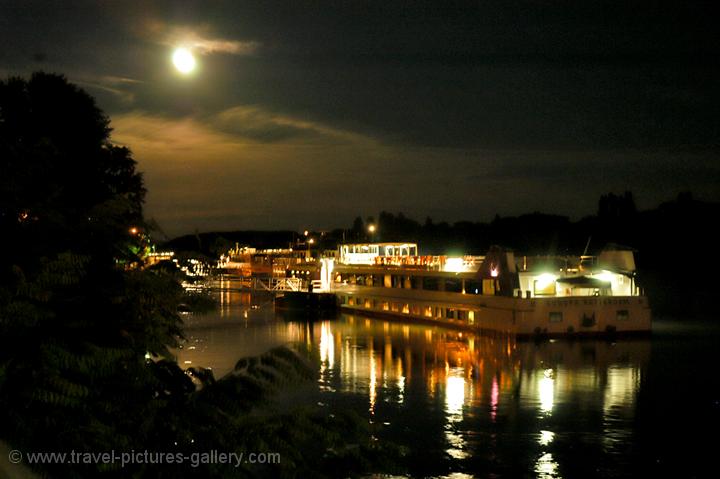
(371, 228)
(546, 467)
(455, 395)
(327, 345)
(606, 276)
(454, 401)
(546, 437)
(545, 280)
(454, 265)
(326, 273)
(494, 271)
(547, 391)
(183, 60)
(400, 382)
(373, 382)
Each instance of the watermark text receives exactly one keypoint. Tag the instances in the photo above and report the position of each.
(128, 458)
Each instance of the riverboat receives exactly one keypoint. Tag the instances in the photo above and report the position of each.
(524, 296)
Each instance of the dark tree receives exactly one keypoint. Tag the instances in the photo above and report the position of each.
(77, 315)
(612, 206)
(358, 229)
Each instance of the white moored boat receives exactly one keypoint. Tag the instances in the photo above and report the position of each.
(498, 292)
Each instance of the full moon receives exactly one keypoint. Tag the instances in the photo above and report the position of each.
(183, 60)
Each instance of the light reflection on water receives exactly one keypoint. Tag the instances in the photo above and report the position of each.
(470, 396)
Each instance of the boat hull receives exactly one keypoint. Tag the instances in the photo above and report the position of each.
(521, 317)
(294, 303)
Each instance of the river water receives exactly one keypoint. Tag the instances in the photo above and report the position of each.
(464, 405)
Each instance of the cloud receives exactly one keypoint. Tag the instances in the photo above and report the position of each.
(206, 46)
(164, 137)
(239, 125)
(259, 124)
(120, 80)
(200, 176)
(200, 39)
(120, 87)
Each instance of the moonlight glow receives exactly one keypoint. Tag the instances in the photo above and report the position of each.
(183, 60)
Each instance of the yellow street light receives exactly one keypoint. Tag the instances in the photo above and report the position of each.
(371, 230)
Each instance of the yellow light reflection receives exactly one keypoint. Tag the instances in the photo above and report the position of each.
(400, 382)
(454, 396)
(327, 345)
(454, 402)
(373, 381)
(622, 385)
(546, 467)
(546, 437)
(546, 388)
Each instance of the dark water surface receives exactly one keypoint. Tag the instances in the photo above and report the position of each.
(471, 406)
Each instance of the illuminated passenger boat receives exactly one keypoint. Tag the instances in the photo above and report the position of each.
(499, 292)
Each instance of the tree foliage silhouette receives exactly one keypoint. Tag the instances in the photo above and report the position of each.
(76, 323)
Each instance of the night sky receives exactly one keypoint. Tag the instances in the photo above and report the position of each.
(307, 114)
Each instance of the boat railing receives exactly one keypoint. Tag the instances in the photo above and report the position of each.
(428, 262)
(278, 284)
(565, 263)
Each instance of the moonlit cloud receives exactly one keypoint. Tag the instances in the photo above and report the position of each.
(206, 46)
(159, 136)
(200, 40)
(116, 80)
(120, 87)
(201, 177)
(260, 124)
